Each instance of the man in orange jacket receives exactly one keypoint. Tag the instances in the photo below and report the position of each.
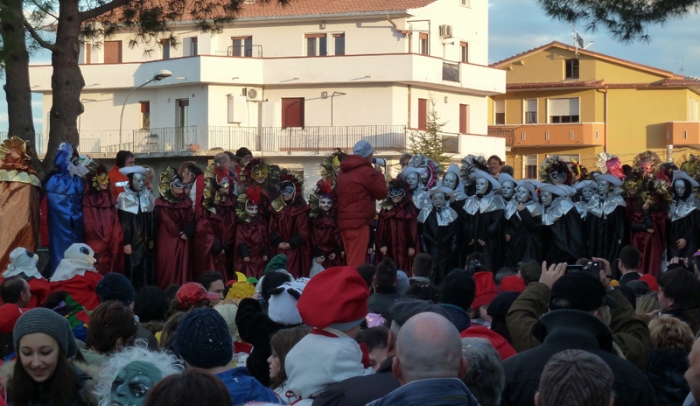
(117, 181)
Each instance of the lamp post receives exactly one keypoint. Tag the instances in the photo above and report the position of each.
(158, 77)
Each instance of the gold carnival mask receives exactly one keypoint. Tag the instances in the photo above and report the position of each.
(100, 180)
(336, 163)
(259, 174)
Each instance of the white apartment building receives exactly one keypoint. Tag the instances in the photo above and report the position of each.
(295, 82)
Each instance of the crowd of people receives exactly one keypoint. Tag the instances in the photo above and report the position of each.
(460, 286)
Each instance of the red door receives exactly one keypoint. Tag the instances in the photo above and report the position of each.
(293, 112)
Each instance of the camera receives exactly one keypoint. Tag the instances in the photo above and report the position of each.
(593, 268)
(379, 161)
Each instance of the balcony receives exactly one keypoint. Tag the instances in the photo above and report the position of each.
(683, 133)
(551, 135)
(295, 71)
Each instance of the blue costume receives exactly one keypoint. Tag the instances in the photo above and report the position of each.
(64, 199)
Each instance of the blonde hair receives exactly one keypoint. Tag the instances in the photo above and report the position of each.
(228, 312)
(647, 303)
(670, 333)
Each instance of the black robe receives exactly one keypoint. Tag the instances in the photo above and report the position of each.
(489, 228)
(525, 237)
(441, 243)
(138, 232)
(683, 228)
(607, 235)
(563, 240)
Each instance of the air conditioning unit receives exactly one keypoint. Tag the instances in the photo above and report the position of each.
(445, 31)
(252, 94)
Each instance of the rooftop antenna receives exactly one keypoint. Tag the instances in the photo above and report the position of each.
(579, 43)
(682, 67)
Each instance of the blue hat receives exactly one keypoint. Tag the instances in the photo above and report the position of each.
(203, 339)
(117, 287)
(362, 148)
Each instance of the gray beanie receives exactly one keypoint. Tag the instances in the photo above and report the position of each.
(46, 321)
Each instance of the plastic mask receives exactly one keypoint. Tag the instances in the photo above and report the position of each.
(679, 187)
(412, 180)
(558, 178)
(587, 193)
(425, 175)
(138, 181)
(546, 198)
(251, 209)
(522, 194)
(259, 175)
(450, 180)
(325, 204)
(507, 190)
(133, 382)
(438, 200)
(603, 188)
(482, 186)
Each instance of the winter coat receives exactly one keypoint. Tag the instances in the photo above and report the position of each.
(666, 372)
(360, 390)
(630, 332)
(84, 386)
(9, 314)
(460, 318)
(433, 392)
(573, 330)
(382, 299)
(358, 187)
(244, 388)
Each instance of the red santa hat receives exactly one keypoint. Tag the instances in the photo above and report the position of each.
(500, 344)
(486, 289)
(512, 283)
(336, 297)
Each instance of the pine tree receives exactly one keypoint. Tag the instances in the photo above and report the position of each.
(430, 142)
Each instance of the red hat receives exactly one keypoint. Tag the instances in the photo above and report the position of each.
(192, 292)
(486, 289)
(336, 297)
(651, 281)
(512, 283)
(505, 350)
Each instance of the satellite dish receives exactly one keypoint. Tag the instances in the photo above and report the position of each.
(579, 41)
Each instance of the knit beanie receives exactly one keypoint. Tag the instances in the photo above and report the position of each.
(458, 289)
(277, 262)
(41, 320)
(336, 297)
(486, 289)
(114, 286)
(402, 283)
(203, 339)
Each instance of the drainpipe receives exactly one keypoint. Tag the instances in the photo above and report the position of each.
(408, 121)
(605, 117)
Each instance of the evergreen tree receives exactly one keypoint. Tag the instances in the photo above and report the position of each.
(430, 142)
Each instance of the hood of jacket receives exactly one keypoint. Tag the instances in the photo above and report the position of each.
(353, 162)
(567, 325)
(434, 392)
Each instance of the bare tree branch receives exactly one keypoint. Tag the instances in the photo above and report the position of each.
(44, 9)
(102, 9)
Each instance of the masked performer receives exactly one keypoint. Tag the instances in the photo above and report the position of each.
(331, 165)
(682, 213)
(76, 274)
(470, 164)
(103, 230)
(484, 220)
(193, 179)
(64, 198)
(220, 214)
(174, 230)
(23, 263)
(252, 246)
(508, 185)
(431, 170)
(326, 241)
(397, 228)
(19, 200)
(647, 201)
(555, 171)
(585, 189)
(289, 225)
(607, 220)
(561, 226)
(439, 230)
(451, 180)
(412, 177)
(259, 173)
(135, 205)
(523, 222)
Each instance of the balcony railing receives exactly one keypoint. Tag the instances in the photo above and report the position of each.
(507, 133)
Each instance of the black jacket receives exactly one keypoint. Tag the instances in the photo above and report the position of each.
(666, 372)
(567, 330)
(460, 318)
(360, 390)
(382, 299)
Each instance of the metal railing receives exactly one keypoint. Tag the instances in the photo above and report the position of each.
(502, 132)
(243, 51)
(265, 139)
(450, 71)
(39, 142)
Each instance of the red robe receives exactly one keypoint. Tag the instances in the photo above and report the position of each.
(397, 229)
(326, 240)
(650, 245)
(251, 242)
(81, 289)
(103, 231)
(291, 225)
(172, 252)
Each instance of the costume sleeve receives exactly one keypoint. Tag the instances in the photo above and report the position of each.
(302, 231)
(275, 239)
(415, 239)
(630, 332)
(376, 185)
(189, 229)
(530, 222)
(524, 314)
(495, 226)
(648, 222)
(127, 229)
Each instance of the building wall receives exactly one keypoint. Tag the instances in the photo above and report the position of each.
(590, 105)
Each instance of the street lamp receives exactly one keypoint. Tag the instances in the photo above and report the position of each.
(158, 77)
(332, 97)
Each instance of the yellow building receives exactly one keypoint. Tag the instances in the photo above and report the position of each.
(578, 104)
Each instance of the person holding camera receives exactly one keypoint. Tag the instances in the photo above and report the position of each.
(358, 187)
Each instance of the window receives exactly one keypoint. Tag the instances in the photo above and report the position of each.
(145, 115)
(423, 43)
(531, 166)
(571, 68)
(464, 119)
(530, 111)
(500, 111)
(563, 110)
(182, 120)
(242, 46)
(339, 44)
(316, 45)
(113, 52)
(165, 46)
(293, 112)
(465, 51)
(422, 114)
(88, 52)
(194, 51)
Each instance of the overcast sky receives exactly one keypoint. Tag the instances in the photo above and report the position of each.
(518, 25)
